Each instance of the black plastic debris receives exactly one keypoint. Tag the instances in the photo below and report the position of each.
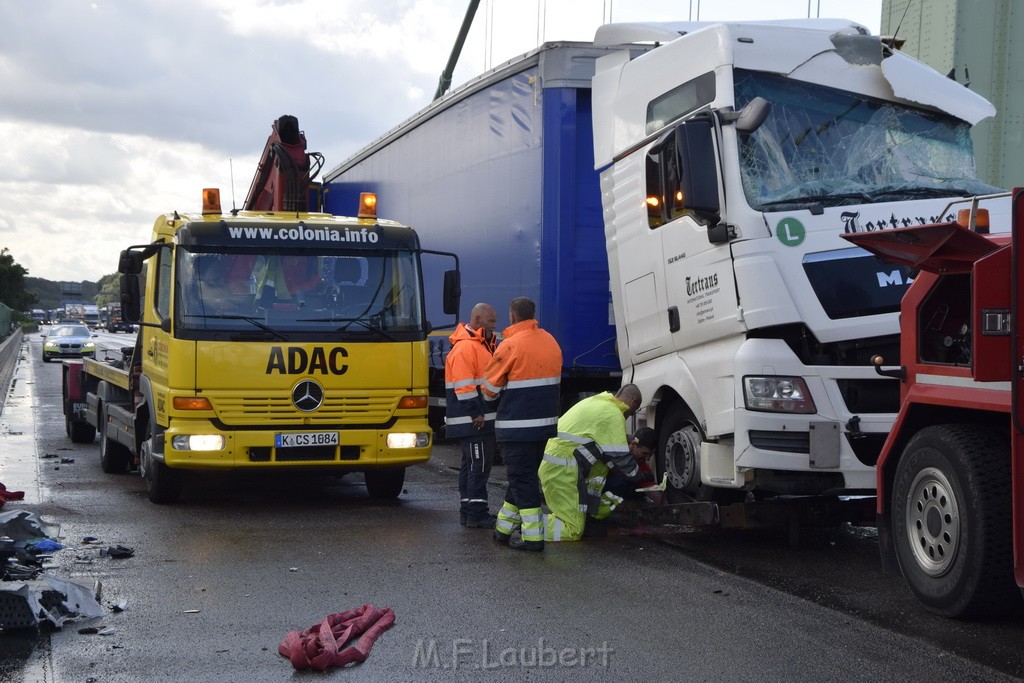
(117, 552)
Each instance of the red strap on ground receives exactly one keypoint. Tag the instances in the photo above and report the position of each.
(323, 645)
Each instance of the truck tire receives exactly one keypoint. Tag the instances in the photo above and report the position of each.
(163, 485)
(115, 458)
(952, 521)
(679, 455)
(80, 432)
(385, 483)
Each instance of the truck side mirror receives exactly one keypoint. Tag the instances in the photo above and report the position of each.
(452, 291)
(131, 302)
(698, 168)
(750, 117)
(130, 262)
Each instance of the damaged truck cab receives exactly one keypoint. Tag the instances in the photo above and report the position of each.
(732, 159)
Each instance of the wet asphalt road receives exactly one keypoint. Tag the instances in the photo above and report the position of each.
(218, 580)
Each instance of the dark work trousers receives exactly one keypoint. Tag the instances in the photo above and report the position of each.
(477, 456)
(522, 460)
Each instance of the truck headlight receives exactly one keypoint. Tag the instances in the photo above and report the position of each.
(777, 395)
(198, 442)
(411, 440)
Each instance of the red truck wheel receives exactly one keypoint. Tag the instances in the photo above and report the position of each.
(951, 520)
(79, 431)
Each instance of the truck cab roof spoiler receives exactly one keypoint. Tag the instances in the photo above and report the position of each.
(666, 31)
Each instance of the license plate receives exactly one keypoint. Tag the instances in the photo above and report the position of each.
(306, 439)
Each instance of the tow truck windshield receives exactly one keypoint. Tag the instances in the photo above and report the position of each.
(222, 294)
(829, 147)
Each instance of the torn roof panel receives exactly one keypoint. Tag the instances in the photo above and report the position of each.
(916, 82)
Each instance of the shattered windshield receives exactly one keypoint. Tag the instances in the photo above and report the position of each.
(292, 295)
(830, 147)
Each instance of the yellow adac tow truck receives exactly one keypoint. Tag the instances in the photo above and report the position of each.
(268, 337)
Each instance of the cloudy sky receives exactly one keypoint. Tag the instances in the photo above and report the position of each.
(115, 111)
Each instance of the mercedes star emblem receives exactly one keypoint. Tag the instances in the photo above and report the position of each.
(307, 395)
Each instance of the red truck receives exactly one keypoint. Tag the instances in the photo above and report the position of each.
(951, 472)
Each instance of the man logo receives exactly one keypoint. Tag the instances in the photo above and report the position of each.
(307, 395)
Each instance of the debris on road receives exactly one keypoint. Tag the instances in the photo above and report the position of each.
(117, 551)
(28, 596)
(48, 599)
(324, 644)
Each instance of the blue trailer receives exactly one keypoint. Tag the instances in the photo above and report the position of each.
(501, 172)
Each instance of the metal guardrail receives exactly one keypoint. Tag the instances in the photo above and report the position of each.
(10, 349)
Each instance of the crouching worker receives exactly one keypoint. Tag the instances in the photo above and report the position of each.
(641, 447)
(591, 441)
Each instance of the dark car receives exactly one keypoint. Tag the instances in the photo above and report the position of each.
(68, 341)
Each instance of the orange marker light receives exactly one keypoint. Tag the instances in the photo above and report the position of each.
(192, 403)
(981, 224)
(412, 402)
(211, 200)
(367, 205)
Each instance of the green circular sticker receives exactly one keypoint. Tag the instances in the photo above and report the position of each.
(790, 232)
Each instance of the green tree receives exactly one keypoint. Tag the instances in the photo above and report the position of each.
(12, 283)
(110, 290)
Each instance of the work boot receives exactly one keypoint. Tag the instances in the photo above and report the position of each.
(501, 538)
(519, 544)
(462, 518)
(484, 521)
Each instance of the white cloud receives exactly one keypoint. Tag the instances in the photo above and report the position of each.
(115, 111)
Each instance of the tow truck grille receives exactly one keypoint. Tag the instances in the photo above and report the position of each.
(278, 408)
(303, 454)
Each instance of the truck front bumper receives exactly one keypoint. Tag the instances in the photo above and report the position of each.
(356, 449)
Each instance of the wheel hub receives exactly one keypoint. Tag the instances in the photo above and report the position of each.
(932, 521)
(145, 459)
(682, 458)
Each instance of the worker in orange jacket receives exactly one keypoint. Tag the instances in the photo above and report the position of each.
(469, 418)
(525, 376)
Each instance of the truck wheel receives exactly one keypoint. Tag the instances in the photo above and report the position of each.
(679, 456)
(115, 458)
(385, 483)
(80, 432)
(952, 521)
(163, 485)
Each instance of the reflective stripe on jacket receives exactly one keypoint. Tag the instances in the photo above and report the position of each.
(525, 375)
(463, 372)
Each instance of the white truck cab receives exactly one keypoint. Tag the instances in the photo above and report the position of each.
(732, 158)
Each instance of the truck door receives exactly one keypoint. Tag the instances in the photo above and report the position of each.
(153, 341)
(700, 290)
